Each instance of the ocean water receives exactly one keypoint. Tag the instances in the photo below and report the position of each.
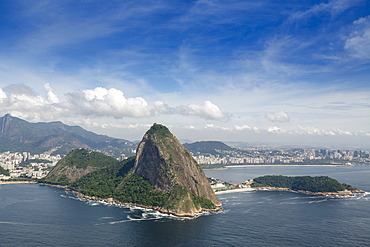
(36, 215)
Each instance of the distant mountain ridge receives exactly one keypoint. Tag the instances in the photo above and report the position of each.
(207, 147)
(18, 135)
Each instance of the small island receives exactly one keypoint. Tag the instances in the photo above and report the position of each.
(320, 185)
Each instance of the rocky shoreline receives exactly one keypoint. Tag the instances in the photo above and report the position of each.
(339, 193)
(161, 210)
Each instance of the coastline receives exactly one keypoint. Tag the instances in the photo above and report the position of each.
(234, 190)
(226, 167)
(236, 166)
(18, 182)
(115, 202)
(161, 210)
(338, 193)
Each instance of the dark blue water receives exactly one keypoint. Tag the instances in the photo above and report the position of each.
(35, 215)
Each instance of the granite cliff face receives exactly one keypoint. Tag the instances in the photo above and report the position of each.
(169, 168)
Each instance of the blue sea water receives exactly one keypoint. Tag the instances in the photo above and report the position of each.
(36, 215)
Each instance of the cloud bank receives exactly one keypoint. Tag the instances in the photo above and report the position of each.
(22, 101)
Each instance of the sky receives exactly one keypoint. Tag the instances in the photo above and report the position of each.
(283, 72)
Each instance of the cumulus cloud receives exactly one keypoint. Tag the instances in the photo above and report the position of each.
(19, 89)
(280, 116)
(334, 132)
(108, 102)
(189, 127)
(242, 127)
(51, 96)
(358, 42)
(208, 110)
(275, 129)
(2, 95)
(20, 100)
(212, 126)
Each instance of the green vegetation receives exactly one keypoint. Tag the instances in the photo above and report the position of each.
(202, 202)
(96, 175)
(78, 161)
(82, 158)
(118, 181)
(121, 184)
(305, 183)
(3, 171)
(18, 135)
(159, 130)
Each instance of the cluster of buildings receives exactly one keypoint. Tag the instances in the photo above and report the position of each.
(293, 156)
(219, 185)
(25, 165)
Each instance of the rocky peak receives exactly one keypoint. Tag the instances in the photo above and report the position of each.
(4, 123)
(166, 164)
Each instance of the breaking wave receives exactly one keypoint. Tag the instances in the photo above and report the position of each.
(136, 213)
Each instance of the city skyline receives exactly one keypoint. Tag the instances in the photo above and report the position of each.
(267, 71)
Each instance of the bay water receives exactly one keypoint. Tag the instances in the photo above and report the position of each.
(37, 215)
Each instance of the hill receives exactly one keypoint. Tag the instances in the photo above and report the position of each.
(320, 184)
(169, 168)
(77, 164)
(17, 135)
(207, 147)
(163, 175)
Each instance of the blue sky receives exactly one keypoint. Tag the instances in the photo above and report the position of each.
(288, 72)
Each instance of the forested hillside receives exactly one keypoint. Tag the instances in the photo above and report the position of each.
(305, 183)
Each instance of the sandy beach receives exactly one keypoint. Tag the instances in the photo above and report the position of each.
(234, 190)
(18, 182)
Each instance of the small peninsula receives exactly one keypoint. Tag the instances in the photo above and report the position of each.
(163, 175)
(320, 185)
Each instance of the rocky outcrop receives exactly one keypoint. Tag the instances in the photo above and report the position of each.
(169, 168)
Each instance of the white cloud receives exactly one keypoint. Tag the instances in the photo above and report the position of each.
(242, 127)
(212, 126)
(333, 7)
(98, 102)
(344, 132)
(108, 102)
(275, 129)
(280, 116)
(126, 126)
(321, 132)
(2, 95)
(208, 110)
(52, 97)
(358, 42)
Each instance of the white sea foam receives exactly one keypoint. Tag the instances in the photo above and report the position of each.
(144, 213)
